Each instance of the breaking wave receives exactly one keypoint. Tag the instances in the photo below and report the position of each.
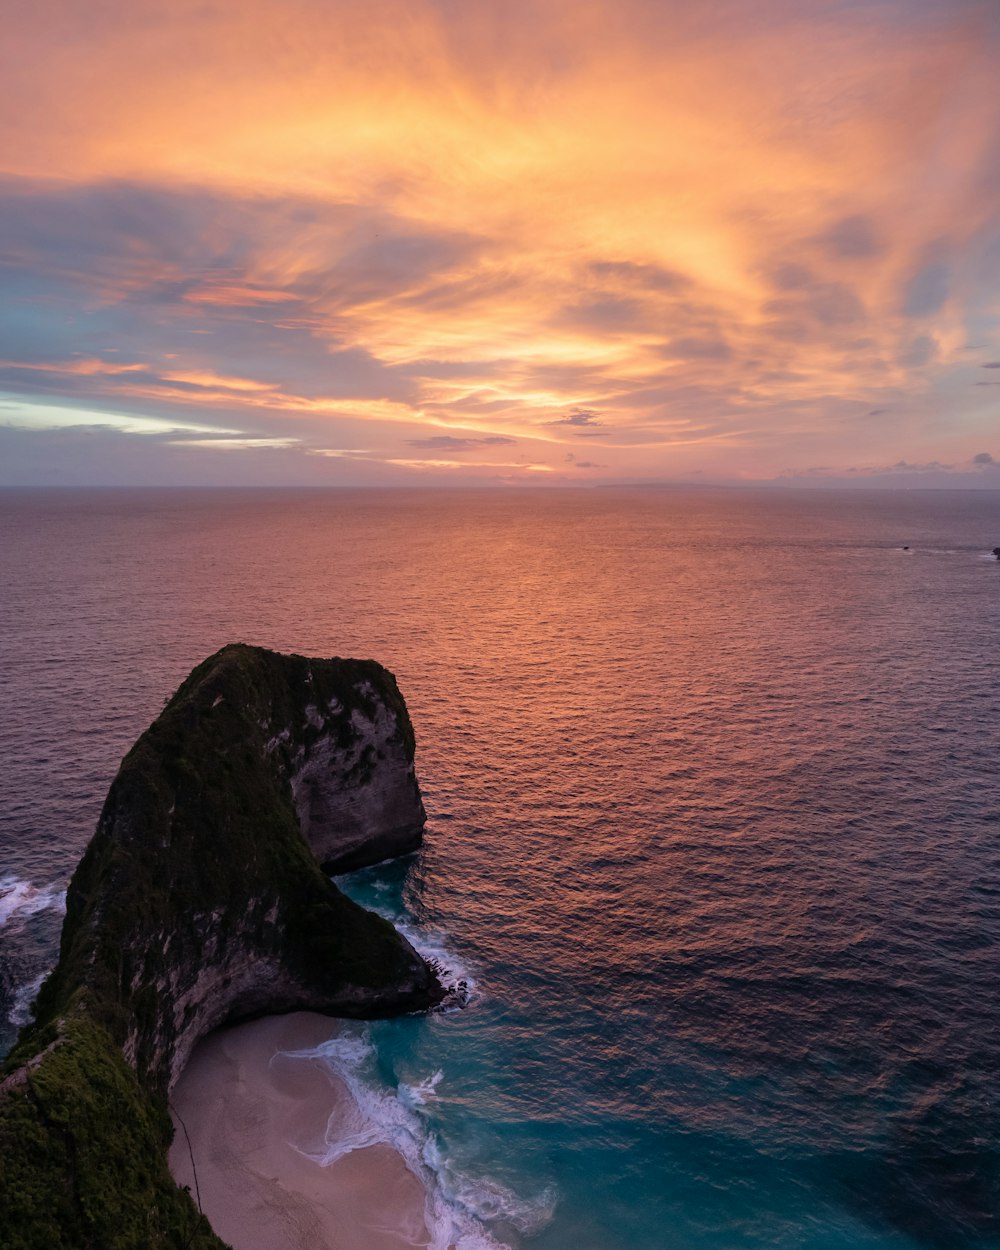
(20, 899)
(24, 997)
(455, 973)
(458, 1206)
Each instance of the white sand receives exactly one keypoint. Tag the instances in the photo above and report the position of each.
(246, 1108)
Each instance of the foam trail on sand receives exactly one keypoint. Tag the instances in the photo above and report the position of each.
(20, 899)
(457, 1205)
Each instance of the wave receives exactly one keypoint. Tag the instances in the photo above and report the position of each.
(947, 551)
(24, 997)
(454, 972)
(457, 1205)
(20, 899)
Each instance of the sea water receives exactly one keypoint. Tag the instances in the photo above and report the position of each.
(713, 837)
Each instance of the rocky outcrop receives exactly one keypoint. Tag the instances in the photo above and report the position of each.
(353, 783)
(201, 899)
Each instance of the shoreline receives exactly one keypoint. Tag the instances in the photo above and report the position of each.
(254, 1115)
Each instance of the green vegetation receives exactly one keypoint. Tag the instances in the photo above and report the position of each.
(197, 900)
(83, 1156)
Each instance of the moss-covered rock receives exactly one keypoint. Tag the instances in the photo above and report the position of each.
(198, 901)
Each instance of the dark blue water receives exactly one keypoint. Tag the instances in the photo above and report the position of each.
(714, 827)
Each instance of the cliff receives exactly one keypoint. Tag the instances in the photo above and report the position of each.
(202, 898)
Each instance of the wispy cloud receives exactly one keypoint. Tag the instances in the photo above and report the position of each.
(448, 442)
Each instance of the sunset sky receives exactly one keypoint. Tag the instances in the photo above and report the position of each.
(499, 241)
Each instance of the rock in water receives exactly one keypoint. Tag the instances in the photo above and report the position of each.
(201, 899)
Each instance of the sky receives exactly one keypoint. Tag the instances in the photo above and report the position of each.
(507, 242)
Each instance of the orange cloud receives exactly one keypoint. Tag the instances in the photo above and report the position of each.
(213, 381)
(234, 296)
(89, 368)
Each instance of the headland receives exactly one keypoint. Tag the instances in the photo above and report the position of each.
(202, 899)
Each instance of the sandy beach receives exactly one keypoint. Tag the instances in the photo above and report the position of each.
(250, 1113)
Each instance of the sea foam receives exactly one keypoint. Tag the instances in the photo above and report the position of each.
(20, 899)
(455, 973)
(21, 1008)
(457, 1206)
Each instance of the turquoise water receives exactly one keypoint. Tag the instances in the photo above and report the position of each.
(714, 829)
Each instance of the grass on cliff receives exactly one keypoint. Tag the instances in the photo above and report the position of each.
(83, 1157)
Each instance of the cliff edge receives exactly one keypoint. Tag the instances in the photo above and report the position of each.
(201, 899)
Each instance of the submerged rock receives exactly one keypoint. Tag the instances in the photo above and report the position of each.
(201, 899)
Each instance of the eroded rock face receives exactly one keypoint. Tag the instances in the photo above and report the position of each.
(240, 972)
(354, 785)
(201, 900)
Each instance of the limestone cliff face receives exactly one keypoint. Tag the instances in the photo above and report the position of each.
(353, 783)
(201, 899)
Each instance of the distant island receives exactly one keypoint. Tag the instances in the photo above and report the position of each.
(204, 898)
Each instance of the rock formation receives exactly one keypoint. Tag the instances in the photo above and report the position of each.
(201, 899)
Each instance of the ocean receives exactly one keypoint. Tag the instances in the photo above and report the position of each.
(713, 835)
